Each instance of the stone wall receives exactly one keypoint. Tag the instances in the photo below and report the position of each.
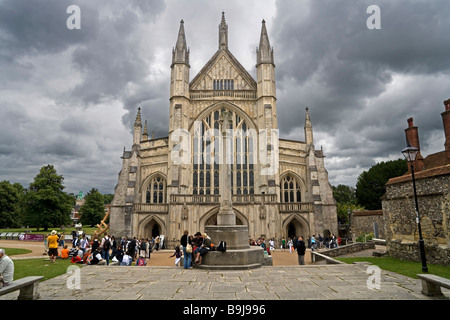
(402, 234)
(363, 222)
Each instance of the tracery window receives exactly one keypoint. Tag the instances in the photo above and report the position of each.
(206, 161)
(156, 191)
(226, 84)
(290, 190)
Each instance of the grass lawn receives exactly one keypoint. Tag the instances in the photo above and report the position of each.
(41, 267)
(37, 267)
(14, 251)
(407, 268)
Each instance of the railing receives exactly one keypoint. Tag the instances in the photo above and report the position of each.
(234, 94)
(151, 207)
(194, 198)
(254, 198)
(295, 206)
(215, 199)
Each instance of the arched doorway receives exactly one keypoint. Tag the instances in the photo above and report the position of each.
(155, 230)
(296, 226)
(152, 229)
(292, 230)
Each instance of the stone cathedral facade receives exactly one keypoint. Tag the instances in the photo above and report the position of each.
(280, 187)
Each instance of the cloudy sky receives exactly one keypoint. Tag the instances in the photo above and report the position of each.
(68, 97)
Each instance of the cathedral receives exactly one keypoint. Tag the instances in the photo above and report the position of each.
(222, 116)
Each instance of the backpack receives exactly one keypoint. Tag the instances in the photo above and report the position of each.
(107, 244)
(141, 262)
(222, 247)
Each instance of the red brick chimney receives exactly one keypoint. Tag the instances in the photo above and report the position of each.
(412, 136)
(446, 120)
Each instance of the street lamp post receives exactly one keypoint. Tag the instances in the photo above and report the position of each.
(410, 153)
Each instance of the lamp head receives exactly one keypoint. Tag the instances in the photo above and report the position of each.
(410, 153)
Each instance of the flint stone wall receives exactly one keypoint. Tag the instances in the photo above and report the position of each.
(363, 222)
(402, 232)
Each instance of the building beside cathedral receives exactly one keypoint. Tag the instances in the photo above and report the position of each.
(280, 187)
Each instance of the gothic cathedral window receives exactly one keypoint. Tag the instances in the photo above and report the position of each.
(226, 84)
(156, 191)
(290, 190)
(206, 160)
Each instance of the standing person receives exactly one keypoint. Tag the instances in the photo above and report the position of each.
(148, 250)
(52, 243)
(157, 242)
(291, 244)
(143, 247)
(61, 240)
(83, 243)
(283, 243)
(301, 248)
(6, 268)
(106, 247)
(271, 245)
(320, 241)
(185, 241)
(113, 244)
(131, 248)
(177, 254)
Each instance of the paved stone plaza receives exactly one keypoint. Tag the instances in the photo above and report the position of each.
(318, 282)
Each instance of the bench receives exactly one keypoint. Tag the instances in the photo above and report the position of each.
(28, 288)
(431, 284)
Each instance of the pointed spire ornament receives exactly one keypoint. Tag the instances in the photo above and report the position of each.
(223, 34)
(264, 52)
(138, 122)
(180, 54)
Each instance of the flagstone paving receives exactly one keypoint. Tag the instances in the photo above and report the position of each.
(313, 282)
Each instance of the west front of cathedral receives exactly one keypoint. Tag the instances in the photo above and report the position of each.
(280, 188)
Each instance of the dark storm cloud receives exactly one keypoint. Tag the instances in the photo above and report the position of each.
(70, 97)
(351, 77)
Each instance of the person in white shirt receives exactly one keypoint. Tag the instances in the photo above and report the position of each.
(6, 268)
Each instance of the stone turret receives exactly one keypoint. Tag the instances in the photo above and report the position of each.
(137, 128)
(308, 129)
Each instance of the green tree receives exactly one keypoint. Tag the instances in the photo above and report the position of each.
(371, 184)
(45, 203)
(344, 194)
(108, 198)
(345, 197)
(93, 210)
(10, 204)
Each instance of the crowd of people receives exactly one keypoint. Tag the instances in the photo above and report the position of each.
(100, 250)
(107, 250)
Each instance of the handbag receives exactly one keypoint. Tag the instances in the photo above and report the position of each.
(189, 248)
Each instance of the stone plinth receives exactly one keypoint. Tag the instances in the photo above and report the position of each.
(236, 236)
(250, 258)
(239, 255)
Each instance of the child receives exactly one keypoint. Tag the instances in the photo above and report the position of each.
(177, 256)
(141, 261)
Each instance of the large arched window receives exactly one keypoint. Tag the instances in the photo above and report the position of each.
(207, 145)
(290, 190)
(156, 190)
